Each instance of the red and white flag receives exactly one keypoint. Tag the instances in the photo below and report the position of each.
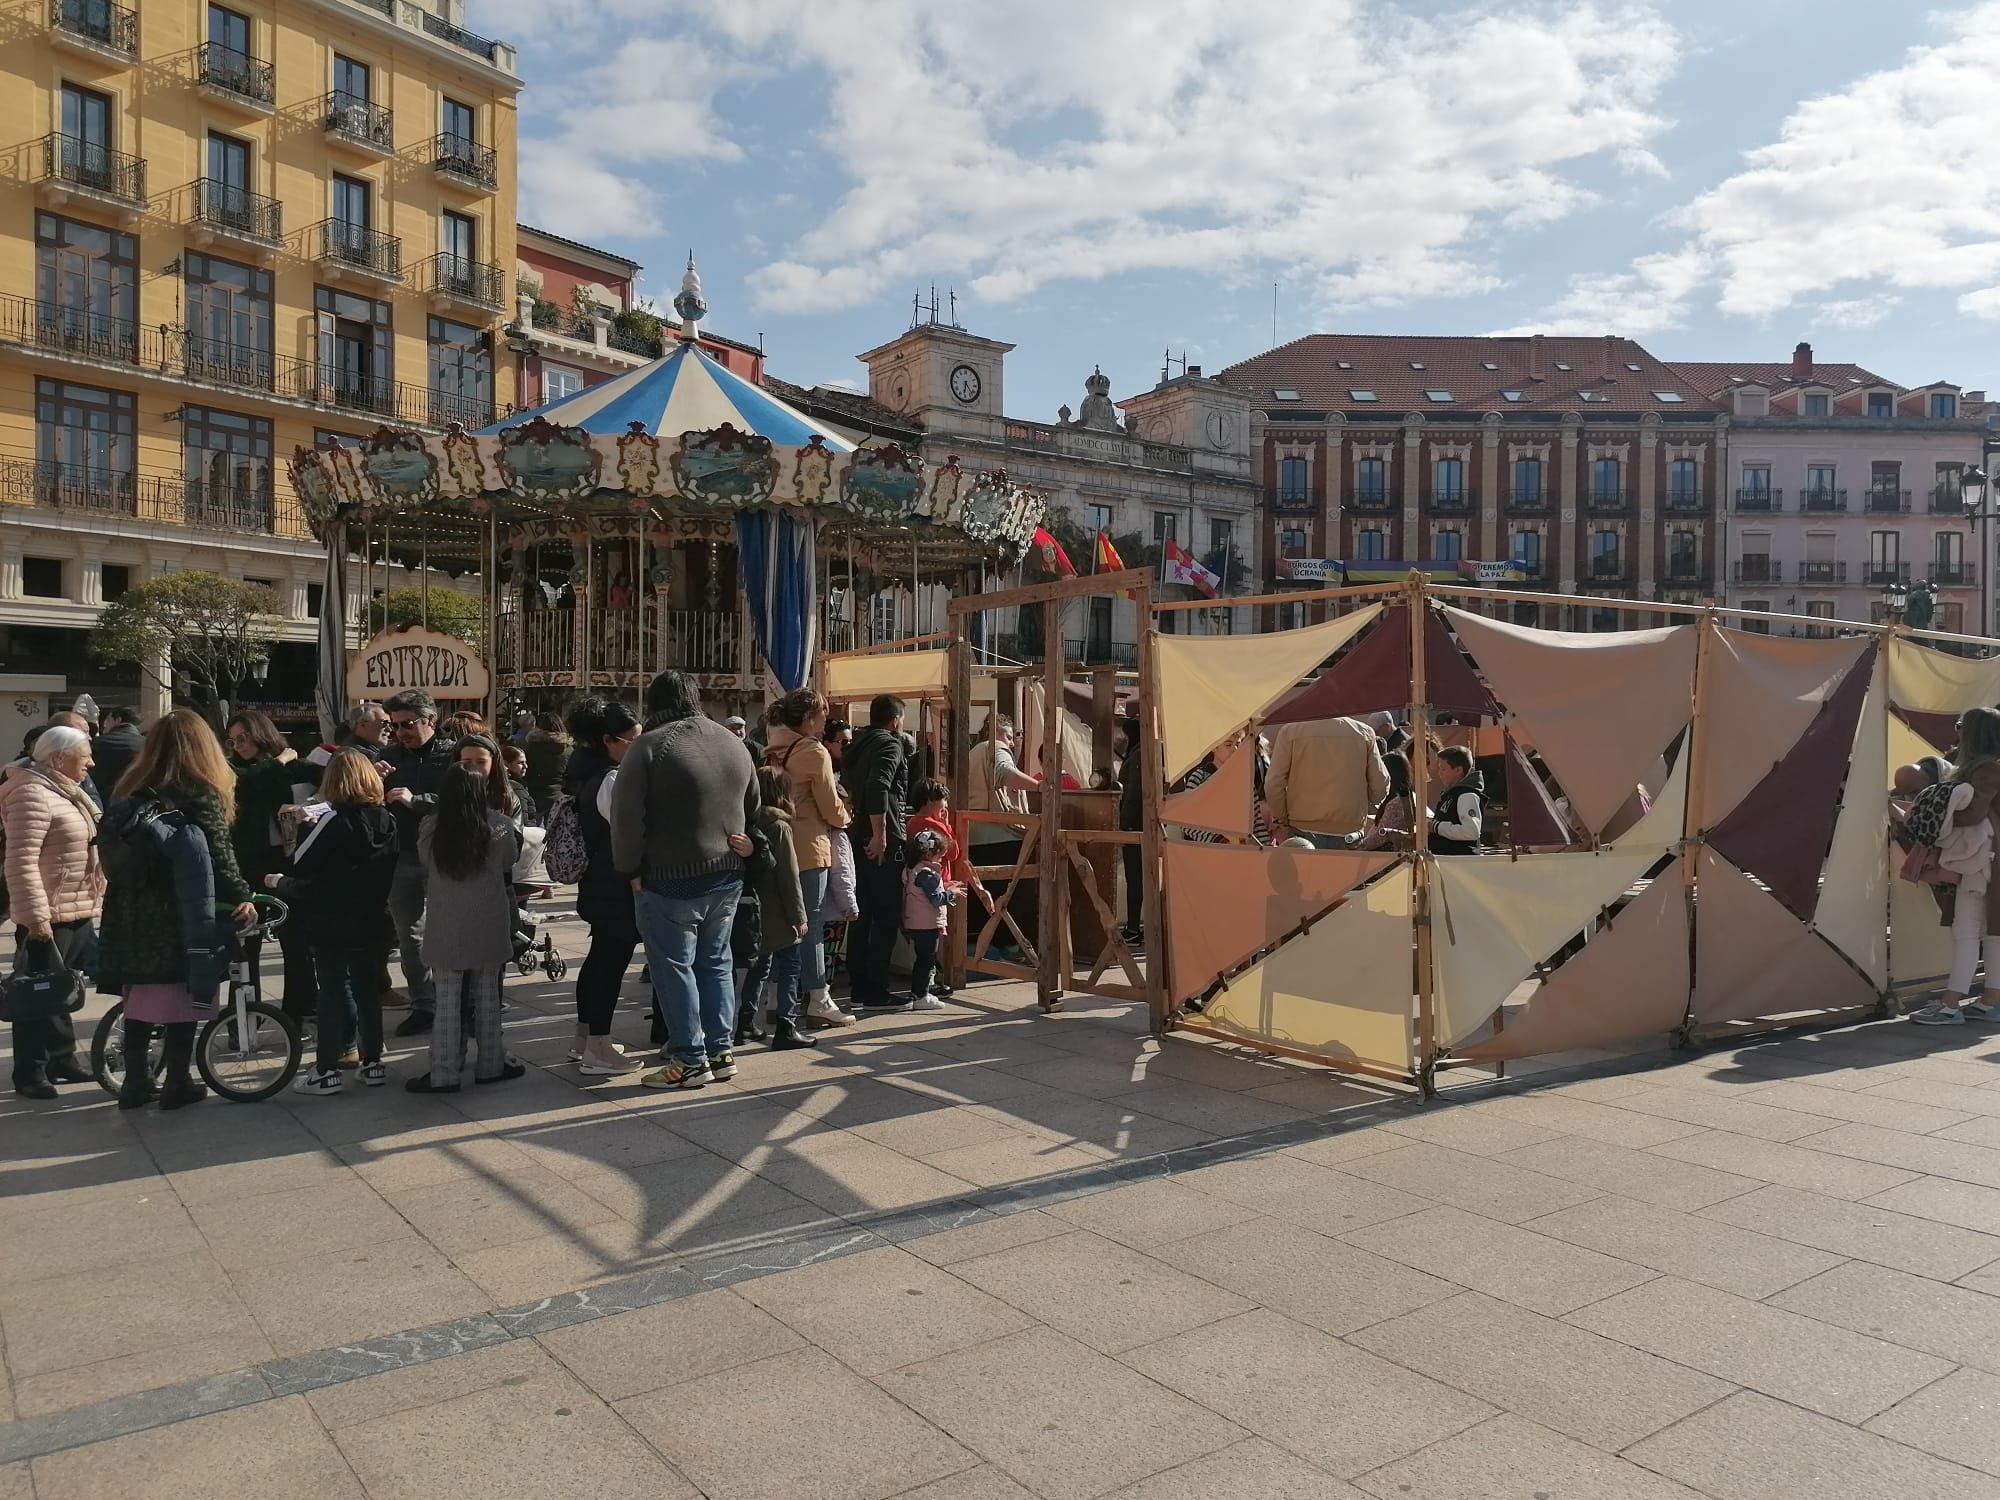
(1177, 566)
(1050, 555)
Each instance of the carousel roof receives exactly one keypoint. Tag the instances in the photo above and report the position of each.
(686, 391)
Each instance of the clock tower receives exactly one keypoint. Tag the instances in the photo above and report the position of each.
(946, 378)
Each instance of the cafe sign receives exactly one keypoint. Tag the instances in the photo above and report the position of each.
(412, 657)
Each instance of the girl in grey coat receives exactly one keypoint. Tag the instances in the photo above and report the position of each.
(468, 852)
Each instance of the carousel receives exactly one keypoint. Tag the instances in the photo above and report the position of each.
(676, 517)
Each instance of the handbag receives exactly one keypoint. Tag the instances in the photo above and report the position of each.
(44, 994)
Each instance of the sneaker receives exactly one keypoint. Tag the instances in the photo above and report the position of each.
(604, 1060)
(678, 1075)
(373, 1074)
(1979, 1010)
(926, 1002)
(883, 1008)
(349, 1060)
(822, 1011)
(317, 1082)
(1938, 1015)
(416, 1023)
(721, 1066)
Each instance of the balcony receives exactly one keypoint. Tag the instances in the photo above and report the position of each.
(1878, 574)
(1454, 504)
(357, 122)
(236, 78)
(76, 168)
(1685, 502)
(96, 27)
(1371, 500)
(1822, 500)
(1605, 570)
(1953, 575)
(466, 408)
(223, 362)
(344, 247)
(85, 333)
(457, 36)
(221, 210)
(472, 283)
(1527, 502)
(1822, 572)
(1758, 570)
(1947, 500)
(1608, 502)
(1292, 499)
(213, 507)
(74, 488)
(461, 160)
(1760, 500)
(1883, 500)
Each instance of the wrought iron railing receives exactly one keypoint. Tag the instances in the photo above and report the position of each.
(356, 245)
(1884, 500)
(360, 120)
(80, 488)
(1822, 498)
(1685, 500)
(113, 26)
(82, 331)
(457, 36)
(212, 506)
(1607, 502)
(237, 210)
(237, 73)
(1822, 571)
(1527, 502)
(1947, 500)
(462, 157)
(467, 280)
(1454, 502)
(1879, 573)
(1759, 570)
(228, 362)
(80, 163)
(1370, 499)
(1761, 499)
(1953, 575)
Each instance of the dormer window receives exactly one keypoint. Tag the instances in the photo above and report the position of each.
(1669, 398)
(1594, 395)
(1362, 396)
(1815, 404)
(1753, 404)
(1944, 405)
(1437, 395)
(1881, 404)
(1513, 395)
(1286, 393)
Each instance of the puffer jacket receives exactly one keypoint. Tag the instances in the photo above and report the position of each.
(53, 874)
(140, 940)
(817, 811)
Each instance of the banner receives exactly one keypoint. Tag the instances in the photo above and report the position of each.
(412, 657)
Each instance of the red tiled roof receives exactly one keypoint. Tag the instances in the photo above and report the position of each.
(1714, 377)
(1616, 368)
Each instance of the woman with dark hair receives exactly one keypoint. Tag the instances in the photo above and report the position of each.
(1968, 849)
(798, 748)
(836, 736)
(547, 749)
(267, 782)
(468, 850)
(602, 730)
(503, 794)
(1392, 818)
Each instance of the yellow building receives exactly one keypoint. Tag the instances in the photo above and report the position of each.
(230, 231)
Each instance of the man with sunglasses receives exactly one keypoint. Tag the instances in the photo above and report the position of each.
(412, 767)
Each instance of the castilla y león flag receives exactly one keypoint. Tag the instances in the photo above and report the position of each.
(1178, 566)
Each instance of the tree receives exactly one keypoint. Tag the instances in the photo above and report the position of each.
(451, 611)
(211, 629)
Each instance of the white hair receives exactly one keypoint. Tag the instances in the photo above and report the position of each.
(56, 741)
(366, 713)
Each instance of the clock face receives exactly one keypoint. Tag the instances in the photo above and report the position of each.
(1220, 430)
(965, 384)
(899, 392)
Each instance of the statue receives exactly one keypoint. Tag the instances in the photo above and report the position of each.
(1098, 413)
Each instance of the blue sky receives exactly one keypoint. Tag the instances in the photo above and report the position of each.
(1715, 178)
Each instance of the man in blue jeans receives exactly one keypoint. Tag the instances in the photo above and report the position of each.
(686, 792)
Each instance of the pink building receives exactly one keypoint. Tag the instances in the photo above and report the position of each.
(1841, 485)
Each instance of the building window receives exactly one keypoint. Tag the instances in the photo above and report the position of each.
(1683, 554)
(1683, 482)
(1449, 546)
(461, 373)
(1097, 627)
(1604, 562)
(1885, 557)
(1815, 404)
(1948, 559)
(1291, 616)
(1100, 518)
(1756, 627)
(1450, 482)
(356, 341)
(1370, 482)
(83, 437)
(559, 381)
(1292, 542)
(351, 78)
(1221, 536)
(1881, 404)
(1527, 551)
(86, 281)
(86, 120)
(226, 468)
(1368, 544)
(351, 208)
(458, 236)
(228, 320)
(326, 437)
(229, 30)
(1606, 476)
(1755, 564)
(1944, 405)
(113, 580)
(229, 170)
(1292, 481)
(42, 577)
(1821, 493)
(1820, 609)
(315, 600)
(460, 124)
(1166, 527)
(1756, 488)
(1527, 479)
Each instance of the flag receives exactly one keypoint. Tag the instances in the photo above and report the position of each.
(1049, 553)
(1177, 566)
(1108, 561)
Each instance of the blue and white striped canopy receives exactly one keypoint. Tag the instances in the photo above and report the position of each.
(687, 391)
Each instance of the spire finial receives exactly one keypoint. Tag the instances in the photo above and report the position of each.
(688, 302)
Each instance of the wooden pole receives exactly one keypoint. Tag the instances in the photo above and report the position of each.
(1052, 926)
(955, 768)
(1696, 750)
(1422, 866)
(1150, 859)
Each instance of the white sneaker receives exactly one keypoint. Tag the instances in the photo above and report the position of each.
(927, 1002)
(579, 1044)
(1938, 1015)
(821, 1010)
(328, 1082)
(605, 1059)
(374, 1074)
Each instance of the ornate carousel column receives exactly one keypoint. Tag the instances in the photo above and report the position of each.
(580, 588)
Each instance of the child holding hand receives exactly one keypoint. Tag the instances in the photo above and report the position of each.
(928, 896)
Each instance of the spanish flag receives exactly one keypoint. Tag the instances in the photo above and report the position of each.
(1108, 561)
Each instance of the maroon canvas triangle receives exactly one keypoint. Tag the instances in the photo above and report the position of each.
(1532, 819)
(1781, 832)
(1375, 676)
(1939, 731)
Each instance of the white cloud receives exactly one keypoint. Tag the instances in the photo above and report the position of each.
(1856, 312)
(1374, 155)
(1652, 296)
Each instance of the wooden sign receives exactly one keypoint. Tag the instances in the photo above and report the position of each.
(412, 657)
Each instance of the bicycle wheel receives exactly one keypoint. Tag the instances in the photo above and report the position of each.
(107, 1050)
(252, 1066)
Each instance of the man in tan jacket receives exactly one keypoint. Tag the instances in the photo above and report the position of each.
(1326, 777)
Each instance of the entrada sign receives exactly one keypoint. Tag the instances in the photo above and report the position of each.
(412, 657)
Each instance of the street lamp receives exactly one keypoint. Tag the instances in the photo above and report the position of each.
(1973, 487)
(1894, 597)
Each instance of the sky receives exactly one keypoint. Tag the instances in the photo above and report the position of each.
(1102, 183)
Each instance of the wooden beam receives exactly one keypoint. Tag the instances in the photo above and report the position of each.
(1151, 789)
(1289, 596)
(1082, 585)
(1053, 913)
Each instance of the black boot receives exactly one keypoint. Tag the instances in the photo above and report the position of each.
(789, 1038)
(137, 1091)
(179, 1089)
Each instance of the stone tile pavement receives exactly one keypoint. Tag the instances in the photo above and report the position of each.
(987, 1254)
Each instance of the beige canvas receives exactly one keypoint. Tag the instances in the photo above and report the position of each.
(907, 674)
(1630, 981)
(1664, 823)
(1220, 804)
(1853, 910)
(1598, 708)
(1212, 685)
(1495, 919)
(1225, 902)
(1759, 694)
(1931, 681)
(1345, 989)
(1754, 959)
(1919, 944)
(1906, 747)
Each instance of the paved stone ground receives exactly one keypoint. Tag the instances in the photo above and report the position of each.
(988, 1254)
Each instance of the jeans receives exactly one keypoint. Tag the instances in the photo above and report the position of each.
(752, 990)
(38, 1045)
(349, 1004)
(923, 966)
(801, 968)
(871, 937)
(602, 975)
(687, 945)
(406, 913)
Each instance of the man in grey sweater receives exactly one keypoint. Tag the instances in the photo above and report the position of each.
(684, 800)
